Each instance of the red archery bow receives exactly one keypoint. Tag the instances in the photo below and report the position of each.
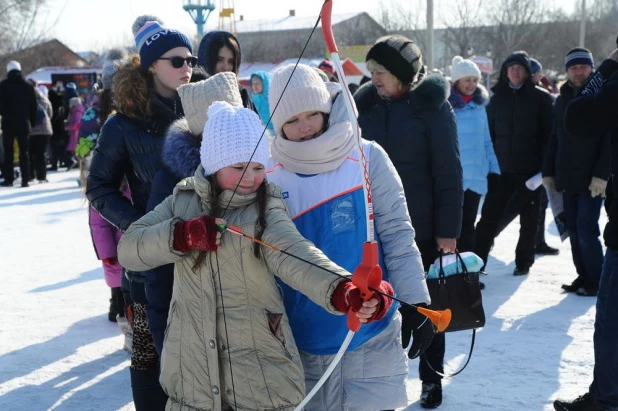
(368, 274)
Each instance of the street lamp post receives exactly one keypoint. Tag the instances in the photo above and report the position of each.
(582, 25)
(429, 53)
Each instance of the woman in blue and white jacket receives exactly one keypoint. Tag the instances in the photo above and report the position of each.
(315, 162)
(478, 159)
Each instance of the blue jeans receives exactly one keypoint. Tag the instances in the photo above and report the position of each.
(604, 387)
(582, 220)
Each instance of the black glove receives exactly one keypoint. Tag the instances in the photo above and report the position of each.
(417, 326)
(493, 182)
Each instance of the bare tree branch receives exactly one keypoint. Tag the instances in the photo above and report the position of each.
(20, 24)
(515, 25)
(406, 17)
(462, 27)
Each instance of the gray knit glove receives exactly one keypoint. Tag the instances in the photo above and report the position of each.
(597, 187)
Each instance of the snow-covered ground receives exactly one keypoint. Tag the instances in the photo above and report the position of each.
(58, 351)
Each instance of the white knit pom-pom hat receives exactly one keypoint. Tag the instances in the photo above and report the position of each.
(464, 68)
(230, 136)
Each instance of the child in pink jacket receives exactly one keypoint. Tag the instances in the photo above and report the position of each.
(105, 238)
(76, 111)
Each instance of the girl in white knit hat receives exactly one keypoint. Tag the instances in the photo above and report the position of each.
(315, 162)
(228, 344)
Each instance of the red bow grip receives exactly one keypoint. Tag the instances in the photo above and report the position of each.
(327, 27)
(367, 275)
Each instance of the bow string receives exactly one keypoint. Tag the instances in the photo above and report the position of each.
(234, 193)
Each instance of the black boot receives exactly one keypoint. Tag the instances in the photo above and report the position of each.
(147, 392)
(588, 289)
(583, 403)
(574, 286)
(521, 271)
(544, 249)
(116, 304)
(431, 396)
(113, 309)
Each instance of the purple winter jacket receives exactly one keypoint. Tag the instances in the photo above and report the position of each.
(105, 238)
(72, 126)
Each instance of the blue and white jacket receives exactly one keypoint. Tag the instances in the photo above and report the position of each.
(476, 149)
(329, 210)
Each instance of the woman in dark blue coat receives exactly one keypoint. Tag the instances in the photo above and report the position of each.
(410, 117)
(130, 145)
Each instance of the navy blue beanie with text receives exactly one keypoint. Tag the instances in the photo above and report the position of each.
(153, 40)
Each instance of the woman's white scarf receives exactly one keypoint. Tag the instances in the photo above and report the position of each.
(319, 155)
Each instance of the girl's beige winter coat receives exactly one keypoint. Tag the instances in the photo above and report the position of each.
(258, 346)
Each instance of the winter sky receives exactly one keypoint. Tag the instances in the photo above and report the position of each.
(100, 24)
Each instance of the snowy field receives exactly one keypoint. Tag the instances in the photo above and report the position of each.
(58, 351)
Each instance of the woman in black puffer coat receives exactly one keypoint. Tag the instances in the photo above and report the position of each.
(130, 144)
(410, 117)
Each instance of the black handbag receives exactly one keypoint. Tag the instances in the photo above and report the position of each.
(461, 293)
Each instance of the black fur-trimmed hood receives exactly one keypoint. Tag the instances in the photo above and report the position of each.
(181, 150)
(429, 93)
(480, 97)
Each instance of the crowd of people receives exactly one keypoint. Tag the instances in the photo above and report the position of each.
(41, 123)
(172, 149)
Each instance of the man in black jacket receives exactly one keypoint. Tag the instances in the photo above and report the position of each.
(520, 117)
(580, 169)
(592, 113)
(18, 108)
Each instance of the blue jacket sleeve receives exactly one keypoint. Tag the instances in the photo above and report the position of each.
(494, 167)
(447, 172)
(159, 282)
(109, 165)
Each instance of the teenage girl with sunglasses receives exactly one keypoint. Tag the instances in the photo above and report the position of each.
(130, 145)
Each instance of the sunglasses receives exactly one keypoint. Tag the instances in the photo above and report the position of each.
(178, 62)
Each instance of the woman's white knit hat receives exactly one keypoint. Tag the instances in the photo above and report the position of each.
(197, 97)
(13, 65)
(231, 135)
(464, 68)
(305, 92)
